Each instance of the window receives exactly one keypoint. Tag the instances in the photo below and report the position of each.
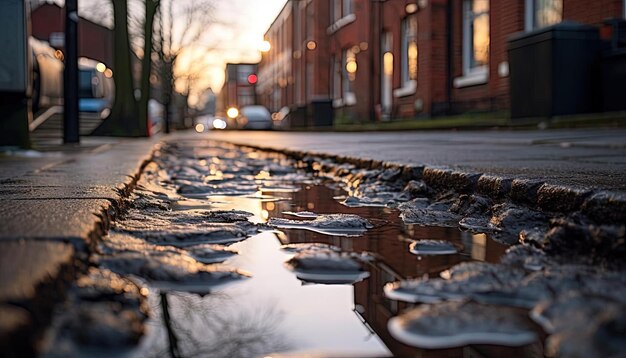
(475, 43)
(476, 34)
(297, 25)
(409, 50)
(347, 8)
(310, 17)
(386, 79)
(339, 9)
(335, 10)
(349, 70)
(540, 13)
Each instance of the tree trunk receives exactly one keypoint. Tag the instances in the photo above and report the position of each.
(146, 65)
(166, 89)
(123, 120)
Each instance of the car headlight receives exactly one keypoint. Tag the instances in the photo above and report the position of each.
(219, 123)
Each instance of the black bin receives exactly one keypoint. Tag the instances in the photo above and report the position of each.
(614, 68)
(554, 71)
(321, 114)
(613, 80)
(298, 117)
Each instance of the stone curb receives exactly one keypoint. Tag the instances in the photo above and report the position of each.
(600, 205)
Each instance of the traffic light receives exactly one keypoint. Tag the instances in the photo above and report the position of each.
(252, 78)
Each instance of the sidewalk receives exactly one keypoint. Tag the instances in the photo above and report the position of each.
(52, 207)
(587, 159)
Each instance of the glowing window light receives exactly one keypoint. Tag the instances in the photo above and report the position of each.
(388, 63)
(351, 66)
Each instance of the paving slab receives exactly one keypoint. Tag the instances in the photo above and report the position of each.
(53, 207)
(65, 195)
(71, 220)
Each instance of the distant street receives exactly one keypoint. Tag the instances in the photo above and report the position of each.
(594, 158)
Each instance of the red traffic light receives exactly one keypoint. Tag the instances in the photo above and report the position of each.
(252, 79)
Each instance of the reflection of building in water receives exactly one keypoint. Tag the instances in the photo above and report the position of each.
(389, 242)
(376, 310)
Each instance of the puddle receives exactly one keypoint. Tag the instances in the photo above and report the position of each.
(312, 311)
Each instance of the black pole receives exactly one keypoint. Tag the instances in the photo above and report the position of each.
(70, 74)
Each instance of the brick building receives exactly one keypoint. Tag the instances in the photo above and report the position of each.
(383, 59)
(94, 40)
(276, 78)
(239, 87)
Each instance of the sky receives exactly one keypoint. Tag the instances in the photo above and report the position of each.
(243, 23)
(237, 29)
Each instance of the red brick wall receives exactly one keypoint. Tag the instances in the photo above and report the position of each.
(320, 56)
(439, 54)
(346, 37)
(506, 18)
(592, 12)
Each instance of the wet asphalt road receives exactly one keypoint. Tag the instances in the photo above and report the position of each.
(588, 158)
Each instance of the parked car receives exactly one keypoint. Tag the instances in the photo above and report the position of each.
(96, 89)
(254, 117)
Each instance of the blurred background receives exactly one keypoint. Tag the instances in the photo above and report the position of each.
(149, 66)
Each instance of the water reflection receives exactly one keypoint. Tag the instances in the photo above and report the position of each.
(317, 317)
(389, 241)
(214, 325)
(276, 312)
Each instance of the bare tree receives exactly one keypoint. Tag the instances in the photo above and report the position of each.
(175, 37)
(179, 27)
(146, 61)
(123, 118)
(129, 116)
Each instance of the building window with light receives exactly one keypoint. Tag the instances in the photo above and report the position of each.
(475, 43)
(409, 50)
(541, 13)
(349, 69)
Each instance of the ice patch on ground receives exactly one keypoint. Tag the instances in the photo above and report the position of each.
(329, 224)
(326, 265)
(456, 324)
(169, 271)
(432, 248)
(302, 214)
